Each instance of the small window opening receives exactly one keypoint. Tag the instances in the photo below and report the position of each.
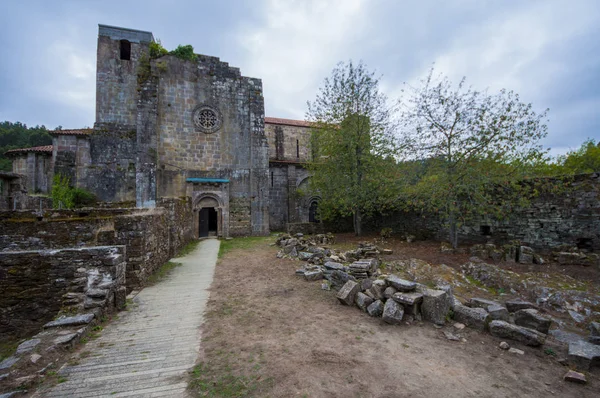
(297, 149)
(125, 50)
(485, 230)
(272, 180)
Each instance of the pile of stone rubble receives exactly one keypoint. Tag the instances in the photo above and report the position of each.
(361, 283)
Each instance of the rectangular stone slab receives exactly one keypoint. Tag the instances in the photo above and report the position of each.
(70, 321)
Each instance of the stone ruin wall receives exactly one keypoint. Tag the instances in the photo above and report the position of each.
(571, 217)
(37, 284)
(42, 257)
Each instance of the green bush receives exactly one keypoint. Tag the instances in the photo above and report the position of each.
(83, 198)
(157, 50)
(62, 193)
(184, 52)
(66, 197)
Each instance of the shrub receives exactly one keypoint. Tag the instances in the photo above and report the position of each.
(157, 50)
(67, 197)
(184, 52)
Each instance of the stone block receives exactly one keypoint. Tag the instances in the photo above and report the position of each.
(584, 355)
(70, 321)
(498, 313)
(330, 265)
(408, 298)
(378, 290)
(392, 312)
(532, 319)
(527, 336)
(363, 301)
(476, 318)
(313, 275)
(476, 302)
(435, 306)
(27, 346)
(389, 292)
(575, 377)
(375, 309)
(348, 292)
(401, 284)
(516, 305)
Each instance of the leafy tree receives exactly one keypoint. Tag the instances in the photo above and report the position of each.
(67, 197)
(586, 159)
(351, 138)
(473, 150)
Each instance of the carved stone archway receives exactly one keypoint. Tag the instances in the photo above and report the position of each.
(211, 200)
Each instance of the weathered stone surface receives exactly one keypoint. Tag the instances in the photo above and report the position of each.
(27, 346)
(363, 301)
(66, 339)
(378, 290)
(366, 284)
(70, 321)
(34, 358)
(476, 318)
(305, 256)
(577, 317)
(401, 284)
(389, 292)
(8, 362)
(584, 355)
(313, 275)
(516, 305)
(348, 292)
(339, 278)
(96, 293)
(375, 309)
(568, 258)
(532, 319)
(498, 313)
(393, 312)
(408, 298)
(525, 255)
(516, 351)
(334, 266)
(594, 329)
(506, 330)
(476, 302)
(575, 377)
(504, 345)
(435, 306)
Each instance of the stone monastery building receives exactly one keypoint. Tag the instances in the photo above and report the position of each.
(173, 128)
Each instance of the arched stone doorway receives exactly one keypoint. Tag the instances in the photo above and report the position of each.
(313, 211)
(209, 217)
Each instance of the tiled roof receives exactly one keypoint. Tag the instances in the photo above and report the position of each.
(287, 122)
(72, 132)
(39, 149)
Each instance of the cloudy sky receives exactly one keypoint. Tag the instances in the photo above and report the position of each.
(546, 50)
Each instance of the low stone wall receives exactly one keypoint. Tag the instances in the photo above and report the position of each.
(37, 285)
(307, 228)
(151, 236)
(570, 217)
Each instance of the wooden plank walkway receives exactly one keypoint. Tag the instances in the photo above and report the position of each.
(148, 351)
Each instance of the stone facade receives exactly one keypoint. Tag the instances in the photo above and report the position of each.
(174, 128)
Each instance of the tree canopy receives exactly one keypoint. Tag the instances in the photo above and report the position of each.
(469, 150)
(352, 136)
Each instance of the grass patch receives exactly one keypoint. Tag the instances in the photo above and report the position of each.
(162, 272)
(187, 249)
(7, 349)
(222, 380)
(244, 243)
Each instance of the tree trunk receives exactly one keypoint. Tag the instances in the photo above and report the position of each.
(357, 219)
(453, 231)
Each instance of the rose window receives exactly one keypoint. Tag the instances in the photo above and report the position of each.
(206, 119)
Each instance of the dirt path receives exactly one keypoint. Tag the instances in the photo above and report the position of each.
(270, 333)
(149, 349)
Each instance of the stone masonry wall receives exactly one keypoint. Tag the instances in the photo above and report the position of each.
(571, 217)
(295, 145)
(36, 285)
